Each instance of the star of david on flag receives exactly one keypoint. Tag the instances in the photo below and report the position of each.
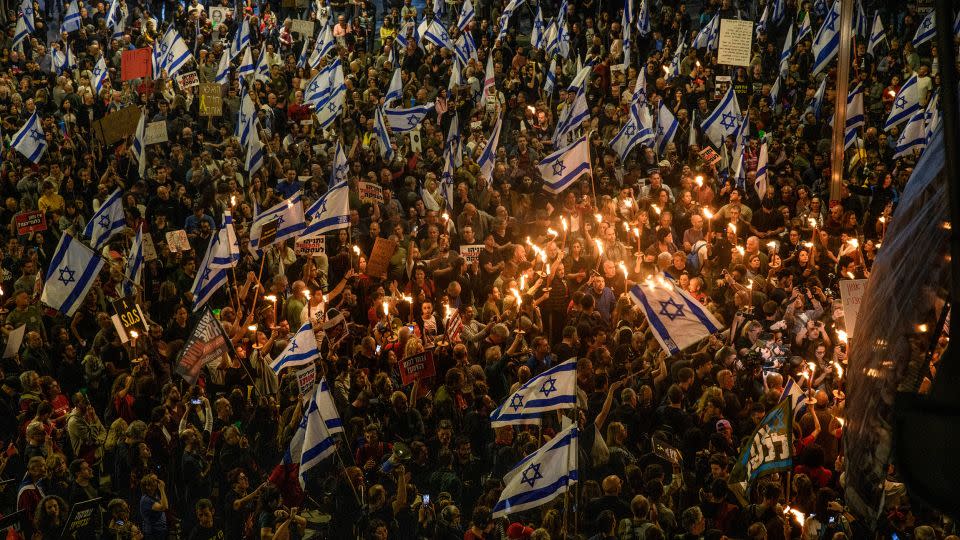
(553, 389)
(301, 350)
(676, 318)
(541, 476)
(72, 270)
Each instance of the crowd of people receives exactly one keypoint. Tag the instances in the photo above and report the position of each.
(86, 415)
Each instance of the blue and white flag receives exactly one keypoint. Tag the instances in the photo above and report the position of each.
(114, 14)
(913, 137)
(804, 30)
(340, 169)
(107, 221)
(99, 75)
(467, 14)
(676, 318)
(827, 42)
(779, 10)
(119, 27)
(172, 53)
(877, 34)
(246, 116)
(262, 71)
(724, 119)
(383, 136)
(328, 408)
(404, 120)
(208, 279)
(539, 31)
(138, 148)
(541, 476)
(465, 48)
(223, 69)
(330, 105)
(395, 91)
(253, 161)
(674, 70)
(318, 442)
(855, 117)
(708, 37)
(861, 25)
(133, 268)
(330, 212)
(626, 25)
(767, 450)
(741, 138)
(764, 20)
(555, 388)
(932, 116)
(637, 130)
(30, 139)
(301, 350)
(453, 145)
(325, 43)
(72, 270)
(797, 397)
(905, 105)
(926, 30)
(640, 88)
(246, 67)
(762, 179)
(666, 128)
(319, 87)
(775, 93)
(71, 19)
(504, 21)
(562, 168)
(820, 7)
(241, 38)
(20, 33)
(643, 18)
(226, 250)
(290, 223)
(817, 103)
(488, 157)
(572, 116)
(551, 78)
(786, 53)
(26, 10)
(435, 33)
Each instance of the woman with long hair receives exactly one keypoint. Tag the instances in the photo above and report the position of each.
(50, 518)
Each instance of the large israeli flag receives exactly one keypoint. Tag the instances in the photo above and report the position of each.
(241, 38)
(572, 116)
(762, 180)
(330, 212)
(173, 53)
(637, 130)
(20, 33)
(328, 409)
(301, 350)
(676, 318)
(404, 120)
(133, 268)
(71, 272)
(786, 52)
(325, 43)
(562, 168)
(246, 67)
(138, 149)
(289, 215)
(855, 118)
(467, 14)
(318, 441)
(877, 34)
(395, 90)
(504, 21)
(555, 388)
(798, 399)
(30, 140)
(926, 30)
(541, 476)
(643, 18)
(435, 33)
(107, 221)
(905, 105)
(724, 119)
(226, 250)
(538, 30)
(488, 157)
(330, 105)
(913, 137)
(666, 128)
(208, 279)
(99, 75)
(223, 68)
(827, 42)
(71, 19)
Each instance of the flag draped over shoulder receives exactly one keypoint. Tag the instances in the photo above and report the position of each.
(768, 450)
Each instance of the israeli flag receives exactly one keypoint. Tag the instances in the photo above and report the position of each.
(465, 48)
(762, 180)
(318, 442)
(805, 29)
(555, 388)
(817, 103)
(20, 33)
(674, 70)
(786, 53)
(626, 25)
(707, 37)
(328, 409)
(541, 476)
(724, 119)
(254, 158)
(666, 128)
(640, 89)
(241, 38)
(775, 92)
(395, 91)
(637, 130)
(289, 215)
(331, 104)
(174, 53)
(404, 120)
(467, 14)
(262, 71)
(71, 19)
(827, 42)
(304, 53)
(324, 44)
(764, 20)
(383, 136)
(435, 33)
(820, 7)
(226, 249)
(223, 69)
(490, 81)
(562, 168)
(107, 221)
(488, 157)
(504, 21)
(932, 116)
(301, 350)
(64, 60)
(855, 118)
(905, 105)
(740, 139)
(119, 27)
(877, 34)
(643, 20)
(330, 212)
(26, 10)
(798, 399)
(538, 31)
(571, 118)
(99, 75)
(676, 318)
(134, 266)
(340, 169)
(319, 86)
(247, 67)
(30, 139)
(779, 10)
(452, 145)
(208, 279)
(551, 79)
(246, 117)
(913, 137)
(551, 37)
(71, 272)
(114, 14)
(926, 30)
(138, 149)
(861, 24)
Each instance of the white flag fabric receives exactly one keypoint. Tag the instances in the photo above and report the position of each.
(318, 442)
(262, 71)
(676, 318)
(330, 212)
(855, 118)
(541, 476)
(246, 117)
(289, 215)
(340, 170)
(538, 31)
(107, 221)
(254, 158)
(70, 274)
(786, 53)
(241, 38)
(99, 75)
(246, 66)
(328, 409)
(395, 91)
(562, 168)
(504, 21)
(637, 130)
(488, 157)
(173, 53)
(724, 119)
(435, 33)
(324, 44)
(798, 399)
(208, 279)
(223, 68)
(133, 268)
(555, 388)
(301, 350)
(913, 137)
(467, 14)
(30, 139)
(827, 42)
(932, 115)
(489, 82)
(71, 19)
(666, 128)
(905, 105)
(572, 116)
(383, 135)
(404, 120)
(226, 248)
(761, 181)
(137, 148)
(877, 34)
(926, 30)
(20, 33)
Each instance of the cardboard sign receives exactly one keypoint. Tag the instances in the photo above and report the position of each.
(736, 40)
(268, 233)
(30, 221)
(135, 64)
(417, 367)
(218, 15)
(81, 520)
(415, 144)
(302, 27)
(311, 247)
(370, 192)
(307, 380)
(14, 340)
(471, 252)
(187, 80)
(851, 293)
(379, 261)
(155, 132)
(178, 241)
(117, 126)
(211, 99)
(709, 155)
(149, 250)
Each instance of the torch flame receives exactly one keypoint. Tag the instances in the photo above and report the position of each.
(699, 180)
(838, 368)
(623, 268)
(599, 246)
(707, 213)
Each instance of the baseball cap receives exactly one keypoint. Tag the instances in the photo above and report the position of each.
(517, 530)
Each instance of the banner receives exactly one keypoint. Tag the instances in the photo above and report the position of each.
(81, 520)
(30, 221)
(136, 64)
(768, 450)
(307, 380)
(851, 293)
(311, 246)
(736, 40)
(416, 367)
(370, 192)
(218, 15)
(155, 132)
(207, 342)
(302, 27)
(379, 261)
(471, 252)
(211, 99)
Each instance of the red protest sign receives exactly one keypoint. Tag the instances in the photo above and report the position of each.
(416, 367)
(31, 221)
(135, 64)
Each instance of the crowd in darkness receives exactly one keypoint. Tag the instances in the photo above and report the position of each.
(85, 415)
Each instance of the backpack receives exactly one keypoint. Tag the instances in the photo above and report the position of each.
(628, 530)
(694, 262)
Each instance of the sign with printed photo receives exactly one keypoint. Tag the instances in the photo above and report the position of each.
(218, 15)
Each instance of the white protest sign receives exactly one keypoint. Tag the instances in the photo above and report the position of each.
(370, 192)
(311, 246)
(14, 339)
(471, 252)
(736, 41)
(307, 380)
(851, 293)
(188, 80)
(156, 132)
(302, 27)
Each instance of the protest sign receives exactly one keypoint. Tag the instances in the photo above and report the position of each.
(187, 80)
(218, 15)
(135, 64)
(128, 317)
(370, 192)
(211, 99)
(417, 367)
(709, 155)
(155, 132)
(30, 221)
(665, 451)
(14, 340)
(116, 126)
(206, 343)
(335, 329)
(178, 241)
(851, 293)
(268, 233)
(736, 40)
(471, 252)
(81, 521)
(311, 246)
(302, 27)
(307, 380)
(768, 450)
(149, 250)
(379, 261)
